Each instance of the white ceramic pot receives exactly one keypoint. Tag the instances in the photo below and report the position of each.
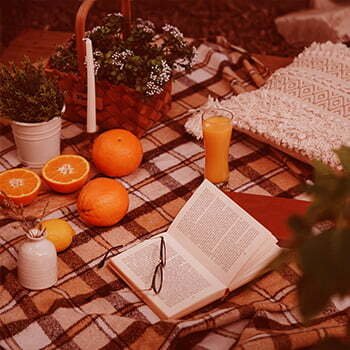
(37, 263)
(37, 142)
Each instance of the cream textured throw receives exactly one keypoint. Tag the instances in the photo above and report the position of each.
(303, 109)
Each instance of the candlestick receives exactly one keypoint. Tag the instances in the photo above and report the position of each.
(91, 126)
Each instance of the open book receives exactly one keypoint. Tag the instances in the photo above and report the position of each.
(213, 246)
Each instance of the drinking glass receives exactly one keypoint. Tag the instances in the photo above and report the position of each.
(217, 131)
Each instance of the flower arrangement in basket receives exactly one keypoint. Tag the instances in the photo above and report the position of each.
(133, 64)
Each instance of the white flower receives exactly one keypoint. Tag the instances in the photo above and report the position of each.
(94, 30)
(117, 14)
(120, 58)
(173, 31)
(145, 26)
(98, 53)
(181, 63)
(159, 75)
(152, 88)
(97, 56)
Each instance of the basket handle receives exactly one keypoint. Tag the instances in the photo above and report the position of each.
(80, 21)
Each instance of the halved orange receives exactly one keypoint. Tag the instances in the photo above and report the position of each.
(66, 173)
(20, 185)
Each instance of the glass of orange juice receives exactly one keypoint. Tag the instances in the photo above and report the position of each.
(217, 131)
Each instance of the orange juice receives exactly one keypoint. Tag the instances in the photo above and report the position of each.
(217, 132)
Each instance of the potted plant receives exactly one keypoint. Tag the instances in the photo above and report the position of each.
(34, 104)
(133, 70)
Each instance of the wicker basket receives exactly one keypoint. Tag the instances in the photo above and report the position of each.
(117, 106)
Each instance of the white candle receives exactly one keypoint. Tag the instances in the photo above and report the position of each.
(91, 94)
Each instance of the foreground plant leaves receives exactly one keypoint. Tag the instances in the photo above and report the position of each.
(325, 257)
(325, 261)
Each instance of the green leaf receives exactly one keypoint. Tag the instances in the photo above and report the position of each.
(316, 285)
(312, 298)
(341, 249)
(325, 262)
(344, 157)
(27, 94)
(325, 258)
(300, 226)
(321, 169)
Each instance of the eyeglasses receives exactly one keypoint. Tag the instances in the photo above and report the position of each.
(108, 252)
(157, 278)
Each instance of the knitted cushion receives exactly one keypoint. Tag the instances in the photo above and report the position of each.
(303, 109)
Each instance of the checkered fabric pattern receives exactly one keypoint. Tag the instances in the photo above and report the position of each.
(91, 308)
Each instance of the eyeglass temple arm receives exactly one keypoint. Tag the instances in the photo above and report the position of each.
(105, 257)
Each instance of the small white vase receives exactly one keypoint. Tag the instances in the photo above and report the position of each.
(37, 262)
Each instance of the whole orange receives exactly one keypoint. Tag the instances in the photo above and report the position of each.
(117, 152)
(102, 202)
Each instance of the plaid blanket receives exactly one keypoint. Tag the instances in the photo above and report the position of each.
(90, 308)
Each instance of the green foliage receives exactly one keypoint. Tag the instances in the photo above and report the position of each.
(143, 61)
(27, 94)
(323, 237)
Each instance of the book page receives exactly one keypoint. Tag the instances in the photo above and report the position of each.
(219, 233)
(255, 267)
(187, 285)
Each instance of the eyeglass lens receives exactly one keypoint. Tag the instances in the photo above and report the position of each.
(157, 280)
(162, 252)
